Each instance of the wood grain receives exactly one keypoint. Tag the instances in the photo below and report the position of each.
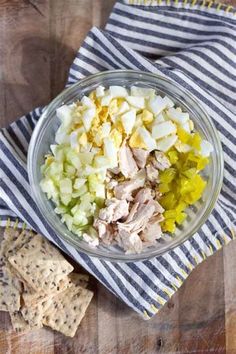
(38, 40)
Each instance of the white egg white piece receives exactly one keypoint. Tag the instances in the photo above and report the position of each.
(181, 147)
(110, 151)
(206, 148)
(105, 101)
(138, 121)
(74, 139)
(88, 117)
(142, 92)
(64, 114)
(138, 102)
(105, 129)
(147, 139)
(186, 127)
(166, 143)
(158, 119)
(87, 102)
(118, 91)
(100, 91)
(178, 117)
(168, 101)
(124, 107)
(156, 105)
(128, 120)
(163, 129)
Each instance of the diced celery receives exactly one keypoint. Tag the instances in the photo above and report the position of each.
(66, 186)
(61, 209)
(49, 188)
(80, 218)
(69, 170)
(79, 182)
(65, 198)
(82, 190)
(73, 158)
(66, 218)
(86, 158)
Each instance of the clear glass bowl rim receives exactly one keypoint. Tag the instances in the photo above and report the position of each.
(40, 128)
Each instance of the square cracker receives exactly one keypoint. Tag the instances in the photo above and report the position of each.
(33, 314)
(13, 240)
(10, 289)
(19, 324)
(10, 286)
(67, 309)
(40, 264)
(32, 297)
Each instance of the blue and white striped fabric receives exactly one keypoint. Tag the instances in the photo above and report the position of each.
(195, 47)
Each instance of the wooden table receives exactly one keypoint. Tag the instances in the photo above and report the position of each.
(38, 40)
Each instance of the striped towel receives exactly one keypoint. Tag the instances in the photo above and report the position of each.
(195, 47)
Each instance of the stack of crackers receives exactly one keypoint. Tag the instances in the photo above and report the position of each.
(37, 286)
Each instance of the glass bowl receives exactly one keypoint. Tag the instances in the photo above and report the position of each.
(43, 137)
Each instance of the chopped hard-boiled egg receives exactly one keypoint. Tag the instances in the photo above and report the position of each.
(142, 92)
(136, 140)
(163, 129)
(118, 91)
(87, 102)
(166, 143)
(182, 147)
(138, 102)
(146, 137)
(147, 116)
(157, 105)
(100, 91)
(128, 120)
(106, 99)
(206, 148)
(84, 157)
(87, 118)
(178, 117)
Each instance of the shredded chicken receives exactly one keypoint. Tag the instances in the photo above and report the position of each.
(152, 173)
(115, 210)
(140, 219)
(143, 195)
(133, 210)
(124, 189)
(151, 233)
(140, 156)
(157, 206)
(112, 183)
(114, 170)
(127, 164)
(132, 218)
(130, 242)
(106, 231)
(162, 162)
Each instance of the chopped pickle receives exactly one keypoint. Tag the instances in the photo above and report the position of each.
(181, 185)
(168, 175)
(196, 141)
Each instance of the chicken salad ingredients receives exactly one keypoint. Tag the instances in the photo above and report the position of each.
(123, 167)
